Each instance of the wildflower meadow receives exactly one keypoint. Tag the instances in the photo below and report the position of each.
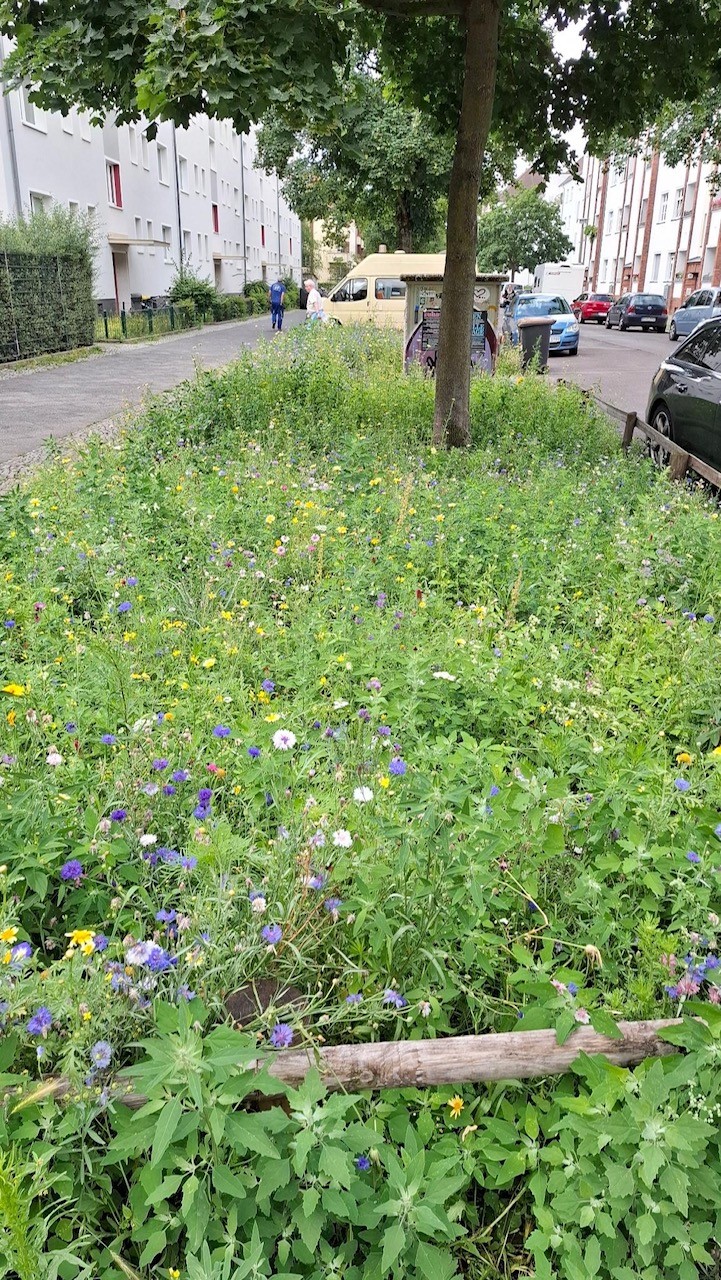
(422, 744)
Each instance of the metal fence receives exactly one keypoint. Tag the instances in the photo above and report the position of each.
(145, 322)
(46, 303)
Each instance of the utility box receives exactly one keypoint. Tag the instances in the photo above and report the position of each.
(424, 297)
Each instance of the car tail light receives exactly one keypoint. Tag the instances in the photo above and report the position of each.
(630, 308)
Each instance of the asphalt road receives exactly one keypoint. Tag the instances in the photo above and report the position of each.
(66, 399)
(617, 366)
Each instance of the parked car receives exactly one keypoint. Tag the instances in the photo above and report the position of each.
(565, 329)
(701, 305)
(592, 306)
(640, 311)
(685, 399)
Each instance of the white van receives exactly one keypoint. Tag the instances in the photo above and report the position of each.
(373, 290)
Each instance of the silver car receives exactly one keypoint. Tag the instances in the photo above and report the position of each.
(704, 304)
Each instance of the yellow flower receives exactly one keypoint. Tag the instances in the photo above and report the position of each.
(87, 948)
(716, 751)
(384, 781)
(456, 1105)
(173, 1272)
(683, 757)
(271, 719)
(270, 519)
(79, 937)
(11, 718)
(208, 663)
(9, 934)
(87, 1016)
(15, 690)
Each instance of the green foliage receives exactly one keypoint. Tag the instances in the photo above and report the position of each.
(520, 232)
(514, 650)
(46, 283)
(187, 284)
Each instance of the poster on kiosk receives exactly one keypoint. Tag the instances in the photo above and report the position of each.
(424, 297)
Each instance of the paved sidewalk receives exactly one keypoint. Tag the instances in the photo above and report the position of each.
(70, 398)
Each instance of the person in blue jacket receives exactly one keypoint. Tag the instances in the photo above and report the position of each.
(277, 304)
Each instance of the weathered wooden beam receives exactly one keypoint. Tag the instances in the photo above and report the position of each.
(628, 429)
(403, 1064)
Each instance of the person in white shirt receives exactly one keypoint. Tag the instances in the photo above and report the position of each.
(314, 305)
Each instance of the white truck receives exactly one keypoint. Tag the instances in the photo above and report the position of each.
(563, 278)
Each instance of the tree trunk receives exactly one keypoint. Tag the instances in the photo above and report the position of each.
(451, 424)
(404, 227)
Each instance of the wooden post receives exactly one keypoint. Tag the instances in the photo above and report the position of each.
(628, 430)
(678, 465)
(403, 1064)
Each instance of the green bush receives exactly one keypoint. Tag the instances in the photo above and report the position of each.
(188, 285)
(46, 284)
(256, 291)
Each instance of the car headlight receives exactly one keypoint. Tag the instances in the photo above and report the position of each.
(572, 328)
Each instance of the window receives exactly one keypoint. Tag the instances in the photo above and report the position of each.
(167, 238)
(626, 215)
(678, 203)
(133, 142)
(207, 250)
(387, 289)
(669, 266)
(643, 212)
(705, 298)
(73, 207)
(183, 174)
(211, 153)
(619, 213)
(604, 273)
(236, 201)
(162, 164)
(112, 177)
(31, 115)
(196, 179)
(663, 207)
(262, 236)
(150, 236)
(234, 148)
(139, 234)
(202, 180)
(215, 217)
(39, 203)
(85, 133)
(144, 151)
(200, 247)
(703, 348)
(609, 220)
(290, 246)
(187, 246)
(656, 268)
(351, 291)
(69, 123)
(91, 210)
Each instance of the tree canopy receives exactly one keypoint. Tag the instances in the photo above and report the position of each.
(519, 232)
(469, 65)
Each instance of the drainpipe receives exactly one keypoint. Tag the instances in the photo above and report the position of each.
(11, 139)
(601, 226)
(177, 197)
(242, 205)
(678, 241)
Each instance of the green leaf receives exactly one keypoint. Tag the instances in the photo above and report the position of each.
(228, 1183)
(645, 1228)
(165, 1129)
(565, 1027)
(155, 1245)
(605, 1025)
(247, 1133)
(394, 1239)
(337, 1165)
(592, 1256)
(433, 1263)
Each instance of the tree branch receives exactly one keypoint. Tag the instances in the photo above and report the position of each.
(417, 8)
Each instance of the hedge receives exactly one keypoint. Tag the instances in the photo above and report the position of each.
(46, 303)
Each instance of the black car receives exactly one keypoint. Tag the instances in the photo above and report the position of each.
(639, 310)
(685, 399)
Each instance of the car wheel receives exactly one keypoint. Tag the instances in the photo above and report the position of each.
(600, 320)
(574, 352)
(661, 420)
(673, 335)
(622, 325)
(608, 323)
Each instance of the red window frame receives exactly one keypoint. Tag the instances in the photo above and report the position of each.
(215, 217)
(114, 186)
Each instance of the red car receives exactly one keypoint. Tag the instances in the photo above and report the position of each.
(592, 306)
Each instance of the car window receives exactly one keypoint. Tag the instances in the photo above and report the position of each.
(692, 301)
(351, 291)
(537, 305)
(712, 352)
(387, 289)
(584, 297)
(717, 299)
(601, 297)
(624, 301)
(695, 350)
(705, 298)
(650, 299)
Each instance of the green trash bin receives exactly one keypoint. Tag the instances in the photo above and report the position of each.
(535, 334)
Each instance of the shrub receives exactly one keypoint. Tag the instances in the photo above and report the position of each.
(188, 285)
(46, 283)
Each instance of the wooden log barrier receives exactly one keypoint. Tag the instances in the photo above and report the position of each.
(404, 1064)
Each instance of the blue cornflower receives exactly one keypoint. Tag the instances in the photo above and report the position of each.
(355, 997)
(495, 791)
(184, 992)
(708, 617)
(100, 942)
(180, 775)
(131, 582)
(9, 624)
(168, 789)
(20, 953)
(333, 905)
(188, 862)
(681, 784)
(41, 1022)
(70, 726)
(100, 1054)
(281, 1036)
(271, 933)
(118, 815)
(532, 906)
(109, 739)
(254, 752)
(160, 764)
(572, 989)
(125, 607)
(221, 731)
(268, 686)
(166, 917)
(717, 831)
(383, 731)
(394, 998)
(201, 812)
(363, 1164)
(693, 857)
(72, 870)
(159, 960)
(205, 795)
(397, 766)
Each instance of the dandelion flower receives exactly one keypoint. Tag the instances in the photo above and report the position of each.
(456, 1105)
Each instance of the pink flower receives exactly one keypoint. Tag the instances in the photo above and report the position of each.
(582, 1015)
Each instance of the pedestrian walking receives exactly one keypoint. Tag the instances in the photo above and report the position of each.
(315, 301)
(277, 304)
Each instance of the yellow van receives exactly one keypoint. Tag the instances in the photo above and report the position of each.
(373, 290)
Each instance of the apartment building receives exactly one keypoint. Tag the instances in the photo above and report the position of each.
(192, 194)
(643, 224)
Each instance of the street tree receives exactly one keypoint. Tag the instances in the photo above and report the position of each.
(466, 63)
(520, 231)
(372, 161)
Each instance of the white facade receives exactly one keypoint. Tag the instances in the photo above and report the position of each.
(192, 194)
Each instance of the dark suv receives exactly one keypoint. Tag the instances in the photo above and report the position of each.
(639, 311)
